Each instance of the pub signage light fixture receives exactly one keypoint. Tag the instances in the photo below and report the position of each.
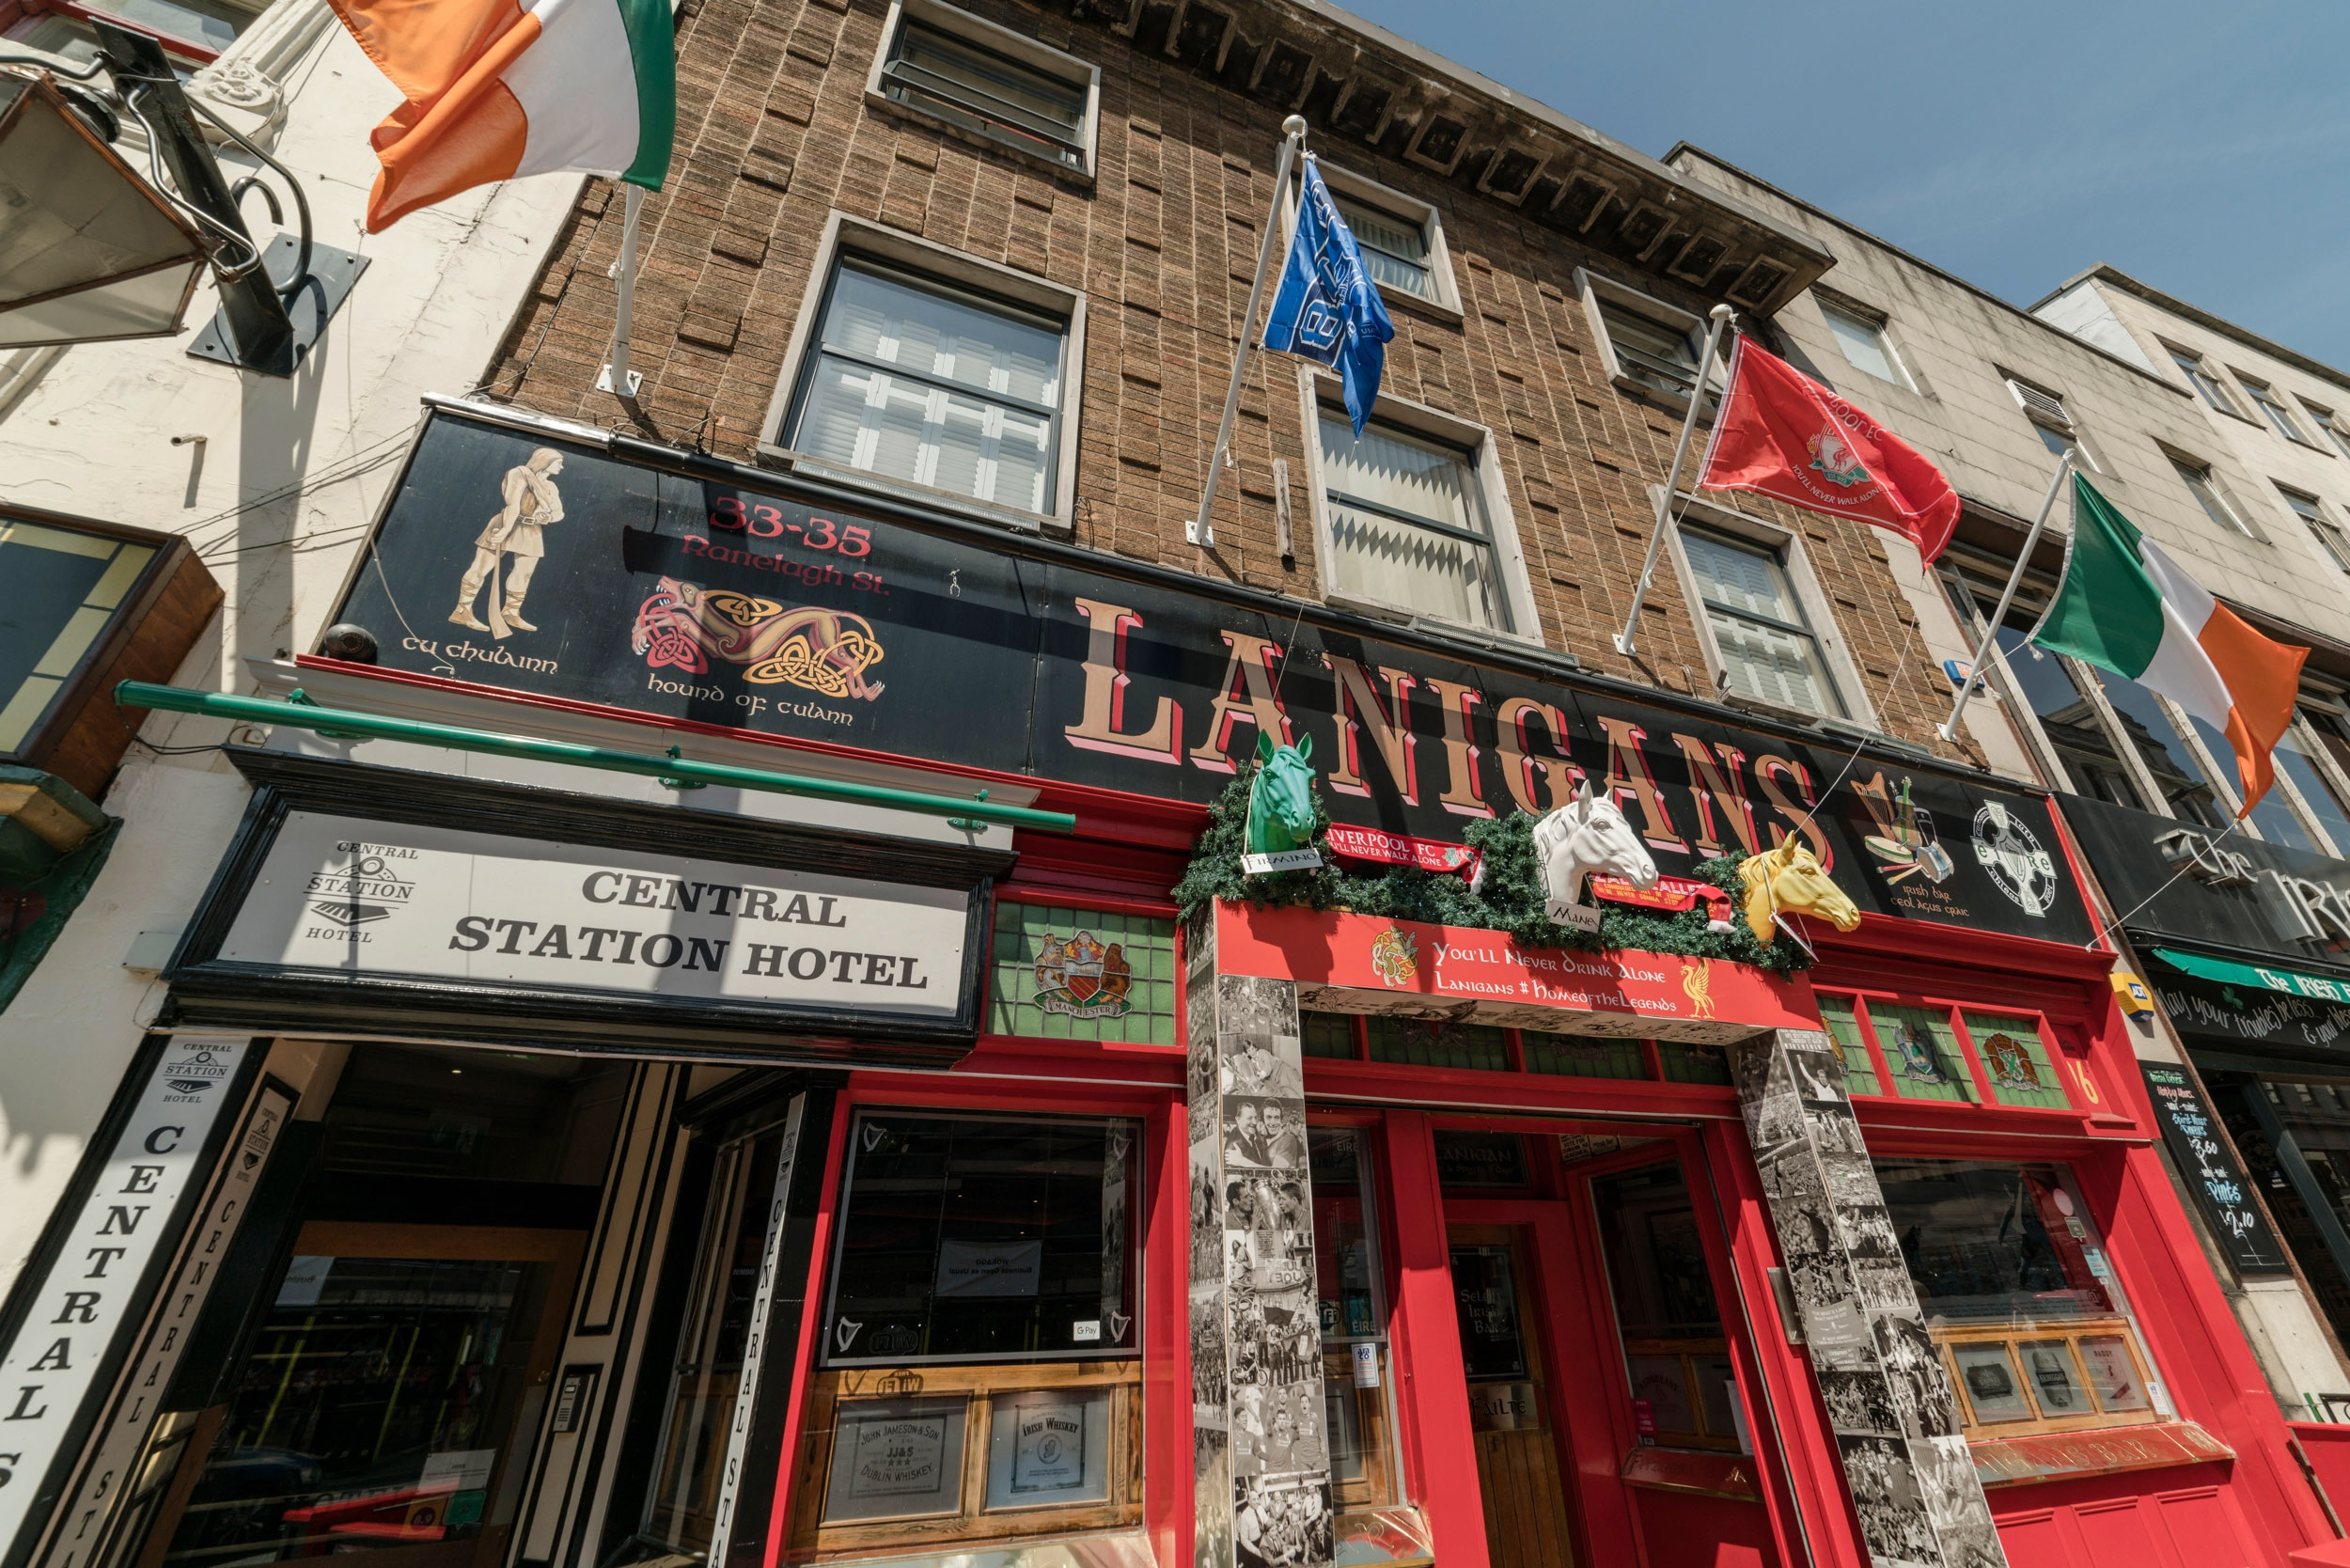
(93, 251)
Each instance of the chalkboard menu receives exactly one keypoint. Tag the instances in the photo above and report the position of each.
(2211, 1173)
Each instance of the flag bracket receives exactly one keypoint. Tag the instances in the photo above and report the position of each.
(1719, 317)
(1199, 530)
(617, 374)
(2006, 596)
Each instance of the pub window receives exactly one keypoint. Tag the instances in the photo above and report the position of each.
(1685, 1392)
(1083, 974)
(1922, 1052)
(1684, 1063)
(918, 380)
(1438, 1042)
(1841, 1014)
(2018, 1297)
(1357, 1374)
(1768, 650)
(1577, 1055)
(2015, 1059)
(1327, 1034)
(981, 1366)
(990, 83)
(1409, 525)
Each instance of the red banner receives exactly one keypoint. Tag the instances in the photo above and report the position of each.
(1669, 892)
(1782, 433)
(1395, 849)
(1363, 964)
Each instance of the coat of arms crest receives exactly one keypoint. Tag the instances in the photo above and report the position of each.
(1833, 456)
(1083, 977)
(1394, 956)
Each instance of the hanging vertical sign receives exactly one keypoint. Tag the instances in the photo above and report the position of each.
(755, 1338)
(101, 1278)
(133, 1458)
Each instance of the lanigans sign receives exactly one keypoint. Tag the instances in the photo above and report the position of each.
(694, 600)
(1363, 964)
(464, 922)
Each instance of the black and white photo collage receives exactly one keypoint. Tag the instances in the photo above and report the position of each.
(1264, 1481)
(1889, 1398)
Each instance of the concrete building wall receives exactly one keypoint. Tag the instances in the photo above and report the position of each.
(276, 498)
(2303, 581)
(2135, 412)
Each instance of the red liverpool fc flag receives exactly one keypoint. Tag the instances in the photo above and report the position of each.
(1782, 433)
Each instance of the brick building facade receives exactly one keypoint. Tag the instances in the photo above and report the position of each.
(779, 131)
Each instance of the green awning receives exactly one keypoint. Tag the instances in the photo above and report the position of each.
(2291, 982)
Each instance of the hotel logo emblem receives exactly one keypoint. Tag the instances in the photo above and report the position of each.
(1081, 977)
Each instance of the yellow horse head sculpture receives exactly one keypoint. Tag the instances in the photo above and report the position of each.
(1790, 878)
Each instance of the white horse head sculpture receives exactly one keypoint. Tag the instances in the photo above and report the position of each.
(1587, 834)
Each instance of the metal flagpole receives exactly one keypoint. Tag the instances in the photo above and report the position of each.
(2015, 578)
(1721, 317)
(1293, 139)
(617, 376)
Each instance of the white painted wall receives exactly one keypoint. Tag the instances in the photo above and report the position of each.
(276, 499)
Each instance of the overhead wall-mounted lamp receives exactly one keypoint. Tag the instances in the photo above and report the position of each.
(95, 252)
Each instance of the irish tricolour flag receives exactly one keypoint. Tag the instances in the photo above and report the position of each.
(497, 88)
(2127, 608)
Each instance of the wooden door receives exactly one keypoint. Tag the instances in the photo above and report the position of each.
(1527, 1519)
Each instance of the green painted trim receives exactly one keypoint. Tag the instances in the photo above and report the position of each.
(343, 725)
(64, 886)
(653, 51)
(2291, 982)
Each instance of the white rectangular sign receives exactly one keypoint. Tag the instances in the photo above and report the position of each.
(371, 898)
(82, 1304)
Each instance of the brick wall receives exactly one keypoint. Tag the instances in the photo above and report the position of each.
(773, 134)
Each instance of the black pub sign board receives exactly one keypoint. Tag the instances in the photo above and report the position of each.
(519, 560)
(2221, 1189)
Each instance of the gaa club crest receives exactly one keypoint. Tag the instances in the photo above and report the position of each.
(1082, 977)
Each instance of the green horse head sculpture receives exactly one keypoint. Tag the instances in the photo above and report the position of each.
(1281, 797)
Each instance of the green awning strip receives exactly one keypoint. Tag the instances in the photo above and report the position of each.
(2291, 982)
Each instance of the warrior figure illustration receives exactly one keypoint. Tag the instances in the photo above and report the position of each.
(532, 503)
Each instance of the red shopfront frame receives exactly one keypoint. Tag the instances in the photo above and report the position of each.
(2255, 1503)
(2219, 1512)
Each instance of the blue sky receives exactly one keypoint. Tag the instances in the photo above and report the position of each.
(2202, 147)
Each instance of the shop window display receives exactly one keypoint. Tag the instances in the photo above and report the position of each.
(2016, 1289)
(980, 1371)
(400, 1363)
(1676, 1355)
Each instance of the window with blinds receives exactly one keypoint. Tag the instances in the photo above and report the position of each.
(930, 386)
(1407, 526)
(1768, 650)
(1654, 352)
(1396, 250)
(980, 89)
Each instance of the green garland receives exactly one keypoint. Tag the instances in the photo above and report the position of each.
(1512, 900)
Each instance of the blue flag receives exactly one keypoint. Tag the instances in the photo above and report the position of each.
(1328, 310)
